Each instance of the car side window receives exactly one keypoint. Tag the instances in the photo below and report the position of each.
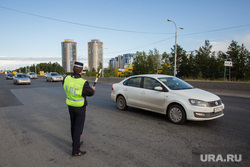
(150, 83)
(134, 82)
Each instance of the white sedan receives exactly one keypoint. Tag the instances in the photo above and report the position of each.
(167, 95)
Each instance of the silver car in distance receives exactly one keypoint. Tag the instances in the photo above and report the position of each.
(32, 75)
(53, 76)
(21, 79)
(167, 95)
(10, 76)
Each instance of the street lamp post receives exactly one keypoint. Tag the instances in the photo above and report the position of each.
(103, 63)
(175, 57)
(34, 64)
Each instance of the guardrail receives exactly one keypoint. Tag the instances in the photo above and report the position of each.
(237, 89)
(198, 84)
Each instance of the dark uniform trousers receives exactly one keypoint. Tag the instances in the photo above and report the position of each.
(77, 119)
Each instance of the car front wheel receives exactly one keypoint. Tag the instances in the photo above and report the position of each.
(121, 103)
(176, 114)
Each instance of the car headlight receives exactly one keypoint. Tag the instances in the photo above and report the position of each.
(200, 103)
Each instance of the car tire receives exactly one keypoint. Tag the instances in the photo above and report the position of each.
(121, 102)
(176, 114)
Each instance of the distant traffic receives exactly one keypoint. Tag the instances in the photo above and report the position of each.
(21, 78)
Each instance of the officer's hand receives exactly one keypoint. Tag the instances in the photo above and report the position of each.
(93, 88)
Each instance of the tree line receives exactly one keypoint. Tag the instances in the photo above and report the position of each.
(46, 67)
(199, 64)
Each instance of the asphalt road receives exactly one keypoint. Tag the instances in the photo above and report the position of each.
(35, 131)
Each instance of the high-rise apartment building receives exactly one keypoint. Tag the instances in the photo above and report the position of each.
(122, 61)
(69, 54)
(95, 54)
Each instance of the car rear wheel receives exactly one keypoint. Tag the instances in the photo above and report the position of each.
(176, 114)
(121, 103)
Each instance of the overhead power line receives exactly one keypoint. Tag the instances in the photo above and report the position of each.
(220, 29)
(81, 24)
(141, 46)
(121, 30)
(215, 30)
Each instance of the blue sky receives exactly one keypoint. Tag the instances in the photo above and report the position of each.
(27, 38)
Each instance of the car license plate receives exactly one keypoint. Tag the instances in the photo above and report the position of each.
(218, 109)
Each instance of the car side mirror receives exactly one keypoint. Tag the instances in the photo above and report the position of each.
(159, 88)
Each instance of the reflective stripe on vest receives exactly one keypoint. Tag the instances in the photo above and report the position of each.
(75, 100)
(73, 88)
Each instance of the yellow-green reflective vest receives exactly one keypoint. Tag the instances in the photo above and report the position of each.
(73, 89)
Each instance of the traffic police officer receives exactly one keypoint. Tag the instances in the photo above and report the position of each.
(76, 89)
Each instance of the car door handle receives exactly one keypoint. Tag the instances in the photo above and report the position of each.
(143, 92)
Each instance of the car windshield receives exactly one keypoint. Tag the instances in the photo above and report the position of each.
(32, 73)
(21, 76)
(54, 74)
(175, 83)
(11, 75)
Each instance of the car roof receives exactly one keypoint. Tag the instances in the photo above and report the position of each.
(152, 75)
(20, 74)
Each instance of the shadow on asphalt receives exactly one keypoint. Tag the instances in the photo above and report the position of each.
(163, 118)
(8, 99)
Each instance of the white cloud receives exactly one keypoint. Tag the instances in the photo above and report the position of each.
(12, 63)
(220, 45)
(223, 45)
(244, 40)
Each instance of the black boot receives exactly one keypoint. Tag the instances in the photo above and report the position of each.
(80, 153)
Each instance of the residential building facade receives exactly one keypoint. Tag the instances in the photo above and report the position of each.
(69, 54)
(122, 61)
(95, 54)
